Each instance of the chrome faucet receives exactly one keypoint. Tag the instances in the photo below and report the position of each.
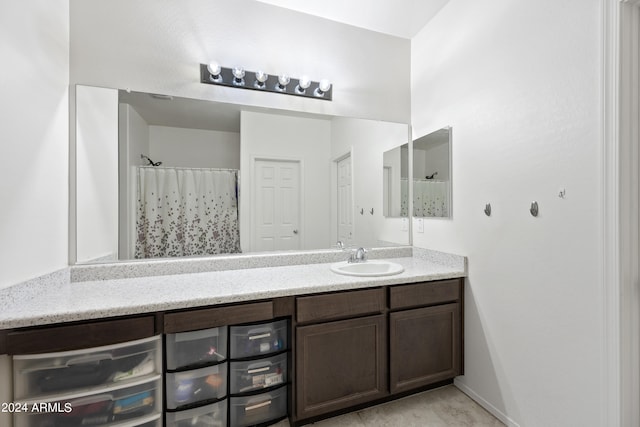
(358, 255)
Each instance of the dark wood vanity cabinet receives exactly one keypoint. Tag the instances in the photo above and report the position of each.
(340, 364)
(425, 344)
(357, 347)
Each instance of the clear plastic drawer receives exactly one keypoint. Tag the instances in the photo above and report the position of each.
(196, 348)
(250, 410)
(60, 373)
(255, 340)
(197, 385)
(214, 415)
(258, 374)
(136, 405)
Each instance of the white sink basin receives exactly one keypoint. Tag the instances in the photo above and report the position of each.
(368, 268)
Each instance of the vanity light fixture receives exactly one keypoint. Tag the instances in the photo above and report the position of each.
(323, 87)
(237, 77)
(261, 78)
(303, 85)
(215, 71)
(283, 81)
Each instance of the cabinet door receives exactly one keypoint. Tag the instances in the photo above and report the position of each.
(340, 364)
(425, 346)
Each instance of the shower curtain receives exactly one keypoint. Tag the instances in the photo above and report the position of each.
(430, 198)
(185, 212)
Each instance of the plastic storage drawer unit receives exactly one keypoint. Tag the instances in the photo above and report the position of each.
(214, 415)
(254, 375)
(58, 373)
(135, 405)
(250, 410)
(202, 347)
(256, 340)
(198, 385)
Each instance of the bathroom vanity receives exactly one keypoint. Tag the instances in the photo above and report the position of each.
(234, 347)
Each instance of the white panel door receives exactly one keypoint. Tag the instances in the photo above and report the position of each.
(277, 205)
(345, 208)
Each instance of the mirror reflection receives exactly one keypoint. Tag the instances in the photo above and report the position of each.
(432, 174)
(395, 184)
(160, 176)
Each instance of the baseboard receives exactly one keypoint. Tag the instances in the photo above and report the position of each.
(485, 404)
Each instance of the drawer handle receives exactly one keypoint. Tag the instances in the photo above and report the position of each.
(257, 406)
(257, 337)
(255, 371)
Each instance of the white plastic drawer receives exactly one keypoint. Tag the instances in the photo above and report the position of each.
(250, 410)
(64, 372)
(136, 405)
(197, 385)
(258, 374)
(255, 340)
(214, 415)
(196, 348)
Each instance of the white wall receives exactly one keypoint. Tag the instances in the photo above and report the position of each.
(157, 45)
(274, 136)
(34, 46)
(133, 141)
(96, 173)
(194, 148)
(519, 82)
(435, 158)
(367, 140)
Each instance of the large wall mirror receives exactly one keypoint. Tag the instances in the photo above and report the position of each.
(432, 175)
(160, 176)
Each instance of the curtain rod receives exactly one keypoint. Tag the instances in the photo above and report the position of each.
(184, 168)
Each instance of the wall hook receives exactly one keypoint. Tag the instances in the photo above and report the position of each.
(371, 211)
(361, 211)
(487, 209)
(534, 208)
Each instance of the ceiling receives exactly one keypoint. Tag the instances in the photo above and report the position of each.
(401, 18)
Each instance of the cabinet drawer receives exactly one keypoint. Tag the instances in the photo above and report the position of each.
(191, 320)
(214, 415)
(251, 410)
(56, 373)
(340, 305)
(136, 405)
(258, 374)
(256, 340)
(425, 293)
(194, 348)
(197, 385)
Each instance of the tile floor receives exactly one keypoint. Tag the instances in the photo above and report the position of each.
(443, 407)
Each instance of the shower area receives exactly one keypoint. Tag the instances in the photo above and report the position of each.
(178, 178)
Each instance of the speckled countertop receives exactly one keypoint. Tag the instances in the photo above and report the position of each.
(62, 297)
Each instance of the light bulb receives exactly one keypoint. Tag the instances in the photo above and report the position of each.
(214, 69)
(238, 74)
(303, 84)
(324, 86)
(261, 77)
(283, 81)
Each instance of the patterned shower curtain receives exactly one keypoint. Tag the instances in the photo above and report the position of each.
(185, 212)
(430, 198)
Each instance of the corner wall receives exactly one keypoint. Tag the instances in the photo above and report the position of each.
(519, 82)
(34, 188)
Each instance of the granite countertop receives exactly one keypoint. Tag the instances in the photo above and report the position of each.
(61, 299)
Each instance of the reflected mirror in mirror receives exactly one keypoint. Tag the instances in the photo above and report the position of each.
(432, 175)
(395, 185)
(160, 176)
